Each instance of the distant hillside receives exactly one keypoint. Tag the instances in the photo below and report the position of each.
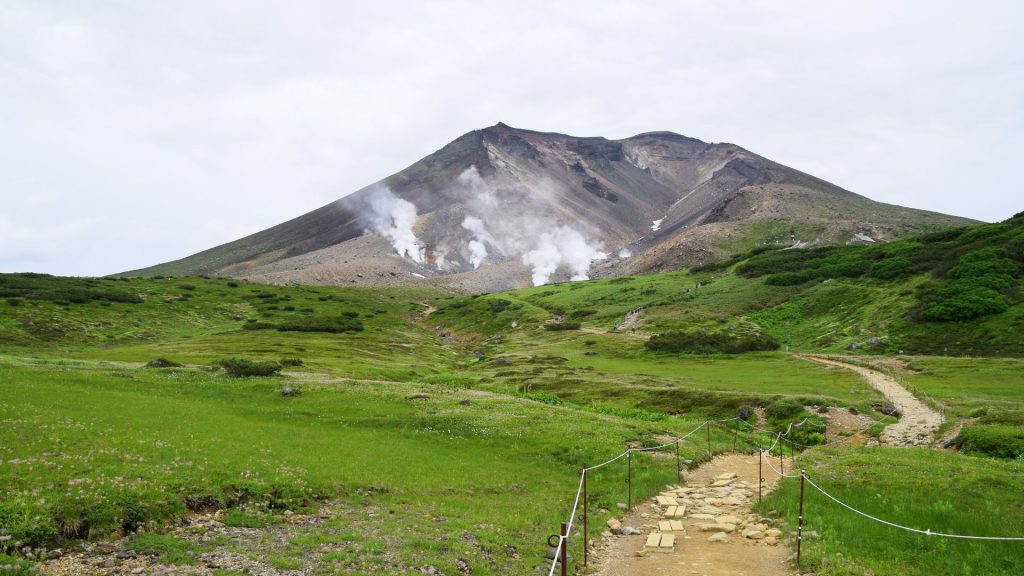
(955, 292)
(500, 208)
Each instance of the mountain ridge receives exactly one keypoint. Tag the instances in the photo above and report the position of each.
(501, 207)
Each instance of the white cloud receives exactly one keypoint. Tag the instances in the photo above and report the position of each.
(182, 125)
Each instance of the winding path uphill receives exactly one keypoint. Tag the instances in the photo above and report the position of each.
(918, 422)
(706, 527)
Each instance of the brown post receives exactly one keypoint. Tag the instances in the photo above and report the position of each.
(800, 524)
(565, 544)
(629, 478)
(735, 434)
(760, 476)
(586, 518)
(679, 464)
(708, 426)
(782, 454)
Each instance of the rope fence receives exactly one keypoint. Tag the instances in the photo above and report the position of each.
(780, 437)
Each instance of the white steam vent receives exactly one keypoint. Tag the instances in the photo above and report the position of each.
(394, 218)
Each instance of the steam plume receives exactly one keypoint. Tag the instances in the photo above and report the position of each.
(394, 217)
(477, 246)
(510, 222)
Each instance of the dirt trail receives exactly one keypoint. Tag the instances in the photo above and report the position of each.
(918, 422)
(761, 554)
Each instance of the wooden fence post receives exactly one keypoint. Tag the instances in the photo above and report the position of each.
(629, 478)
(800, 523)
(565, 544)
(586, 518)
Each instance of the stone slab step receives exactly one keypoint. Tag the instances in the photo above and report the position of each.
(661, 542)
(675, 512)
(671, 526)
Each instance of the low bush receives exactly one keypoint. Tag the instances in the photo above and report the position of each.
(254, 325)
(243, 367)
(332, 325)
(708, 342)
(162, 363)
(965, 305)
(11, 566)
(290, 362)
(995, 440)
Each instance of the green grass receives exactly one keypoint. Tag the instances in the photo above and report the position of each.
(963, 385)
(471, 425)
(923, 489)
(181, 433)
(169, 549)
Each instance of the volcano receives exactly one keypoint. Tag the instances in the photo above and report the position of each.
(502, 207)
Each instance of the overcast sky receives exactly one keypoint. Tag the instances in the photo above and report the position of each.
(136, 132)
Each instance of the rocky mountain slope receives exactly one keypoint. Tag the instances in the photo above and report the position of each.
(502, 207)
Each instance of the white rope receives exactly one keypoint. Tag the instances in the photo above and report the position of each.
(836, 441)
(676, 441)
(568, 530)
(768, 461)
(894, 525)
(608, 462)
(579, 490)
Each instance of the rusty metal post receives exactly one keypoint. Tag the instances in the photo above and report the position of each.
(586, 518)
(707, 425)
(760, 475)
(800, 523)
(565, 544)
(629, 478)
(679, 464)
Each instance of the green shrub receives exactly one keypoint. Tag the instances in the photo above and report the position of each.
(290, 362)
(11, 566)
(162, 363)
(784, 411)
(789, 278)
(332, 325)
(187, 286)
(708, 342)
(1010, 417)
(243, 367)
(254, 325)
(996, 440)
(972, 303)
(890, 267)
(498, 305)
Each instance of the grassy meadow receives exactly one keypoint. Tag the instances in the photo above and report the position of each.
(430, 429)
(923, 489)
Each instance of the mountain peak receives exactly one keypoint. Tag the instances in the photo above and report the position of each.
(501, 207)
